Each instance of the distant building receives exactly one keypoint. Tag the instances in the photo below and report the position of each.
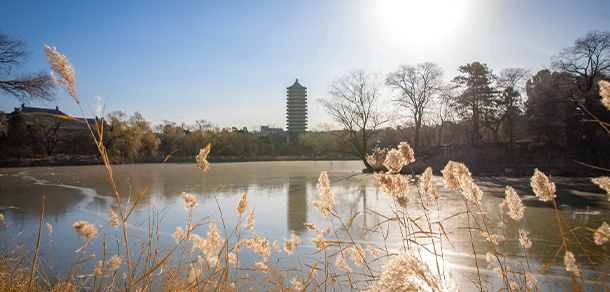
(267, 131)
(296, 109)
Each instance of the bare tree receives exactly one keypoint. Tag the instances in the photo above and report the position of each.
(511, 84)
(353, 103)
(417, 86)
(587, 59)
(24, 86)
(587, 62)
(444, 110)
(48, 131)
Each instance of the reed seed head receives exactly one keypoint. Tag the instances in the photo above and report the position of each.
(1, 217)
(326, 193)
(202, 161)
(198, 242)
(427, 179)
(604, 183)
(190, 202)
(213, 241)
(470, 190)
(261, 266)
(98, 268)
(356, 254)
(542, 186)
(312, 228)
(406, 272)
(514, 204)
(259, 246)
(178, 235)
(295, 238)
(326, 231)
(377, 158)
(602, 235)
(232, 257)
(393, 161)
(373, 250)
(492, 238)
(67, 76)
(490, 258)
(114, 219)
(250, 221)
(458, 177)
(296, 285)
(327, 197)
(395, 186)
(240, 244)
(114, 263)
(194, 272)
(85, 230)
(319, 242)
(242, 206)
(49, 228)
(288, 246)
(406, 153)
(427, 187)
(531, 280)
(524, 239)
(604, 92)
(570, 264)
(452, 173)
(321, 207)
(341, 263)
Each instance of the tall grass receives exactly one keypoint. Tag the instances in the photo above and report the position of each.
(342, 259)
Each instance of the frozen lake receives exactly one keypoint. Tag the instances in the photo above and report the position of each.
(281, 192)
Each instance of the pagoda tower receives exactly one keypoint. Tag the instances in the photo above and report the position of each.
(296, 109)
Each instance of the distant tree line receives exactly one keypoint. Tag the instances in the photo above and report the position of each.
(550, 109)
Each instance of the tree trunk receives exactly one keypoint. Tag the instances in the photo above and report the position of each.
(417, 128)
(476, 136)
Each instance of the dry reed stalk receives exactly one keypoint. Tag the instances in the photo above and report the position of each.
(31, 280)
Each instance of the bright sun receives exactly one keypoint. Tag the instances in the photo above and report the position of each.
(419, 21)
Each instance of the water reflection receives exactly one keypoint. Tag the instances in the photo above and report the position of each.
(281, 192)
(297, 203)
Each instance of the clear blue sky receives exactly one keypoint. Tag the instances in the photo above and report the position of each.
(230, 62)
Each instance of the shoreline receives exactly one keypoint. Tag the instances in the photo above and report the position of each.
(417, 167)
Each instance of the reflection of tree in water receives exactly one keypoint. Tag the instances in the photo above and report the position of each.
(297, 204)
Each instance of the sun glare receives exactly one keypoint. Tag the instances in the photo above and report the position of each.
(410, 21)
